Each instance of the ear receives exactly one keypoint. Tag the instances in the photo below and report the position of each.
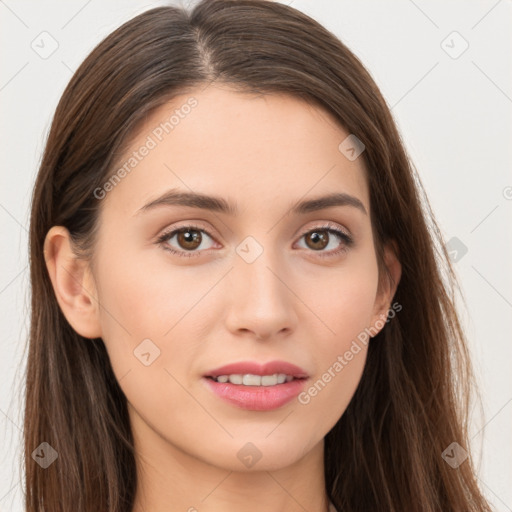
(73, 283)
(388, 283)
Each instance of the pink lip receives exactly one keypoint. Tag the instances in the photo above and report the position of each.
(258, 398)
(255, 368)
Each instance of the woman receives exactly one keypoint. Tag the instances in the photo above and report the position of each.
(238, 298)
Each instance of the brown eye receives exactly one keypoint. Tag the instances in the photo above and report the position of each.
(326, 240)
(186, 241)
(189, 239)
(317, 240)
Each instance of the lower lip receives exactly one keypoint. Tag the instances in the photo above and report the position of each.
(257, 398)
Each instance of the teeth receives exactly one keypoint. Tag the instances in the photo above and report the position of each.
(251, 380)
(269, 380)
(255, 380)
(236, 379)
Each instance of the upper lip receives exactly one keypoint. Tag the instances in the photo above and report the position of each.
(255, 368)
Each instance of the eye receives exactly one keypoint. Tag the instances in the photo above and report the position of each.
(190, 239)
(327, 236)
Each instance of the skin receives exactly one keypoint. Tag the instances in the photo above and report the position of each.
(262, 153)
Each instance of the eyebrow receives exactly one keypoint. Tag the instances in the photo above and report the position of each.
(175, 197)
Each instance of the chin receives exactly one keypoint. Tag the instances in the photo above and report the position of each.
(262, 452)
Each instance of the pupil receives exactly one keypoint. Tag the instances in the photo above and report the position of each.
(318, 238)
(188, 237)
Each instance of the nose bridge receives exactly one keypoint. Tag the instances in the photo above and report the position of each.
(260, 300)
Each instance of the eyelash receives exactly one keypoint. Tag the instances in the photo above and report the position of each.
(329, 227)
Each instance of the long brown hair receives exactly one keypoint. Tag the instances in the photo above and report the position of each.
(385, 452)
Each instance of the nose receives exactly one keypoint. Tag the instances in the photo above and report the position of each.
(261, 301)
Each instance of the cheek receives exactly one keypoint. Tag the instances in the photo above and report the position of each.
(328, 394)
(148, 327)
(344, 304)
(144, 292)
(141, 302)
(343, 300)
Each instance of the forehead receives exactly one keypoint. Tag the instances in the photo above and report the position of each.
(259, 151)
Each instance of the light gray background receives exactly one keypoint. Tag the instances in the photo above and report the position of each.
(455, 118)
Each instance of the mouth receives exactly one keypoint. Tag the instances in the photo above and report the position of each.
(257, 387)
(254, 380)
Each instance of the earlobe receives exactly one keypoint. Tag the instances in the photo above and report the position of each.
(387, 286)
(72, 282)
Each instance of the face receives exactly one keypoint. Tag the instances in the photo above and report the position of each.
(208, 305)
